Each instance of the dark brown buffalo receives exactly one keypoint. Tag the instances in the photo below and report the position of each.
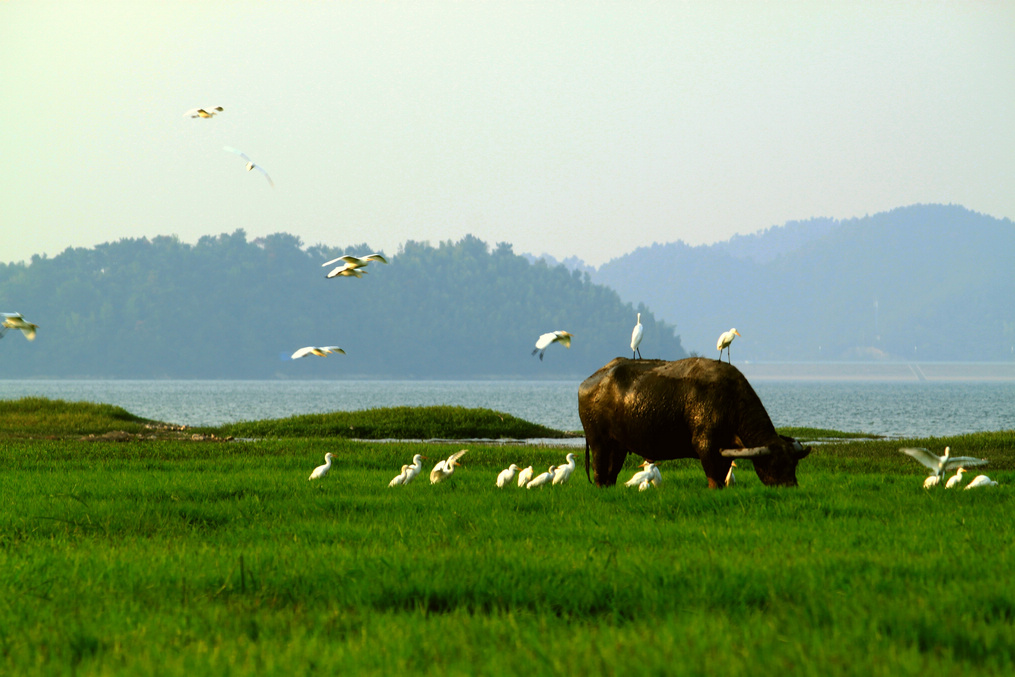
(693, 408)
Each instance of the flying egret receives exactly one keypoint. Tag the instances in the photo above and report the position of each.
(322, 470)
(563, 472)
(17, 321)
(551, 337)
(524, 476)
(346, 271)
(730, 477)
(981, 481)
(414, 469)
(356, 261)
(541, 479)
(725, 339)
(636, 335)
(650, 473)
(399, 479)
(322, 351)
(444, 469)
(954, 479)
(939, 465)
(250, 163)
(203, 113)
(507, 476)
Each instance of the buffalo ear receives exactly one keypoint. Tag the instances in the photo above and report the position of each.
(746, 453)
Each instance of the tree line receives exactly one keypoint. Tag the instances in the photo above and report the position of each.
(232, 307)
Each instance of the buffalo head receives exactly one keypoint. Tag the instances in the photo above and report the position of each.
(776, 463)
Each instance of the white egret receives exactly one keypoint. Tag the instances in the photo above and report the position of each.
(346, 271)
(414, 469)
(931, 481)
(545, 340)
(320, 351)
(636, 335)
(444, 469)
(541, 479)
(725, 339)
(399, 479)
(507, 476)
(645, 485)
(356, 261)
(939, 465)
(730, 477)
(649, 473)
(250, 163)
(524, 476)
(203, 113)
(954, 479)
(17, 321)
(563, 472)
(981, 481)
(322, 470)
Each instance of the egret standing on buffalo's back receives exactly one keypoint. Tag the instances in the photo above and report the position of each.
(725, 339)
(636, 336)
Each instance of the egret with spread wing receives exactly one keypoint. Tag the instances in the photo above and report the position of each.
(545, 340)
(322, 351)
(250, 163)
(345, 271)
(939, 465)
(355, 261)
(17, 321)
(444, 469)
(203, 112)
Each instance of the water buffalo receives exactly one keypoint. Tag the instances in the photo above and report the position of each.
(693, 408)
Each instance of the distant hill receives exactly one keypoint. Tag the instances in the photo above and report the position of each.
(927, 282)
(227, 307)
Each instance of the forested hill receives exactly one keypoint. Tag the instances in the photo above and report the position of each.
(227, 307)
(926, 282)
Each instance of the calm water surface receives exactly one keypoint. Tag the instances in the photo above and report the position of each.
(906, 409)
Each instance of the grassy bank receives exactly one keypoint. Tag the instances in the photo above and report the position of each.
(178, 557)
(41, 417)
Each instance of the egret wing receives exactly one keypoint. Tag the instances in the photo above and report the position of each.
(924, 456)
(545, 340)
(956, 462)
(240, 153)
(261, 169)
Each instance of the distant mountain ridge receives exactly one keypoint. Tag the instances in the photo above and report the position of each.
(924, 282)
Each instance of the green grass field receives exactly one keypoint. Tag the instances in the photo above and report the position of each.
(174, 557)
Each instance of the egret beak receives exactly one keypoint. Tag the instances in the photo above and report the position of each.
(737, 333)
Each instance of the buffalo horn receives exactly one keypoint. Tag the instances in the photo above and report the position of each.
(746, 453)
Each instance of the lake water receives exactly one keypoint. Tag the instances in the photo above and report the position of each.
(894, 408)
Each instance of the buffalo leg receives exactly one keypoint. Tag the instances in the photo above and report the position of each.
(607, 460)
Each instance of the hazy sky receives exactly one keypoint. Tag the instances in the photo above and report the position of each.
(572, 128)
